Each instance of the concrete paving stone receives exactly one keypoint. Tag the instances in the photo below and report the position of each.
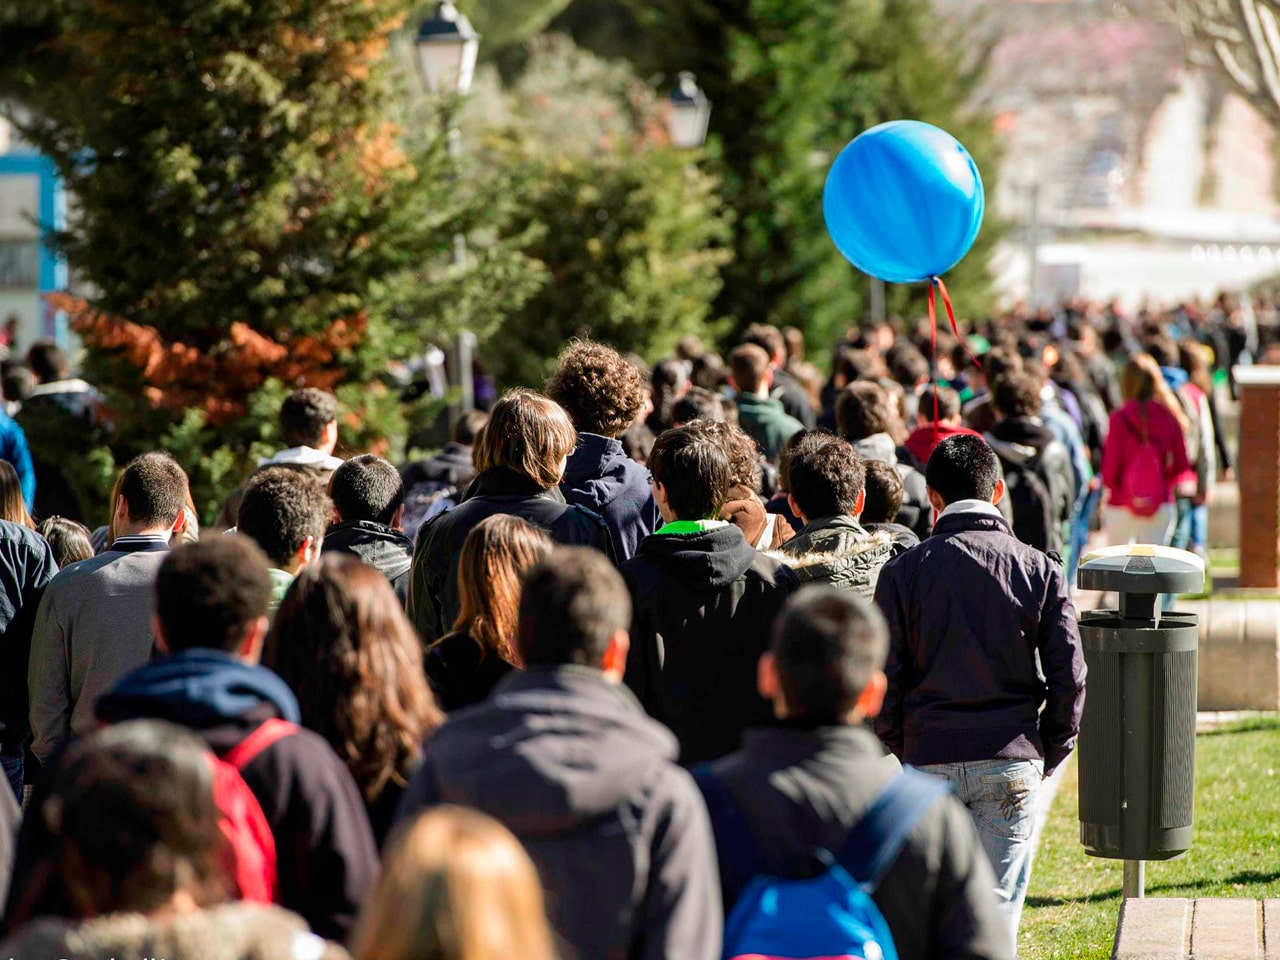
(1225, 929)
(1153, 928)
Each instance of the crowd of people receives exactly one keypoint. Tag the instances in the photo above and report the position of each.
(629, 663)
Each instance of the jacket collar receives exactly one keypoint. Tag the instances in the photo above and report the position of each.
(131, 543)
(378, 530)
(977, 507)
(501, 482)
(965, 521)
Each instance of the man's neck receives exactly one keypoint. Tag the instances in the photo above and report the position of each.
(132, 530)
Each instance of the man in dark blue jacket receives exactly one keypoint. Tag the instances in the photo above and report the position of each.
(212, 599)
(603, 394)
(985, 669)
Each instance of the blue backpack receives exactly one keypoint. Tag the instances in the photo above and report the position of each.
(829, 916)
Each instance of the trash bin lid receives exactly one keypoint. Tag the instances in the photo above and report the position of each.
(1141, 568)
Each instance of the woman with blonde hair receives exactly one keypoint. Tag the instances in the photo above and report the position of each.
(457, 885)
(344, 646)
(464, 666)
(521, 455)
(1144, 456)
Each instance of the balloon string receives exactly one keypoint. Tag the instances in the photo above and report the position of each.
(951, 315)
(933, 358)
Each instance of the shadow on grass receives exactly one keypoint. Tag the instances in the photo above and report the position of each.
(1250, 725)
(1102, 896)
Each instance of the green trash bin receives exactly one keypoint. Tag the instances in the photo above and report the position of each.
(1137, 738)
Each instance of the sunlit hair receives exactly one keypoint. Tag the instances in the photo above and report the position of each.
(528, 434)
(457, 885)
(12, 507)
(344, 645)
(494, 558)
(1141, 379)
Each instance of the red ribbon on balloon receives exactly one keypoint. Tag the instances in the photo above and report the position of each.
(935, 283)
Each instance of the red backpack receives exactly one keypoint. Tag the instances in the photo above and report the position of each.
(251, 845)
(1142, 480)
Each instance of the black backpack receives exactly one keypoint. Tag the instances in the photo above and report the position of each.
(1031, 501)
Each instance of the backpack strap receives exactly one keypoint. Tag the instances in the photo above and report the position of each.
(741, 858)
(267, 733)
(876, 840)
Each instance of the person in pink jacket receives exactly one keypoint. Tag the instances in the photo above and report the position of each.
(1144, 457)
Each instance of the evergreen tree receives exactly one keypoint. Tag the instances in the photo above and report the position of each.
(249, 215)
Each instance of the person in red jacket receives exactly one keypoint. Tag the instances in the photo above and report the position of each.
(1144, 456)
(938, 417)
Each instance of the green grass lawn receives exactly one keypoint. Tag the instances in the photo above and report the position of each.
(1073, 901)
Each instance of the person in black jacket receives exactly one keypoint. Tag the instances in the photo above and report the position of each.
(521, 454)
(603, 394)
(211, 619)
(564, 757)
(368, 505)
(26, 567)
(703, 602)
(803, 780)
(985, 669)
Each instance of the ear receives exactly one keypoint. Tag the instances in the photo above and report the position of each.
(614, 662)
(180, 524)
(397, 519)
(308, 552)
(734, 383)
(861, 503)
(336, 517)
(157, 632)
(998, 493)
(122, 510)
(872, 697)
(936, 501)
(331, 434)
(767, 677)
(795, 508)
(250, 648)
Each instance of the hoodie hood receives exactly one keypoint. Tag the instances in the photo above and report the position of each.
(838, 551)
(709, 560)
(302, 457)
(374, 544)
(599, 472)
(560, 747)
(1026, 433)
(879, 447)
(199, 689)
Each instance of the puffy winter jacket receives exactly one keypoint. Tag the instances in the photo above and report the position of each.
(839, 552)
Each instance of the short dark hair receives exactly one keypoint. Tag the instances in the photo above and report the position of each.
(692, 465)
(571, 604)
(18, 381)
(209, 593)
(963, 467)
(154, 488)
(1017, 394)
(948, 402)
(281, 507)
(999, 361)
(698, 404)
(749, 364)
(304, 415)
(825, 476)
(884, 492)
(366, 488)
(862, 409)
(47, 361)
(598, 388)
(767, 337)
(468, 427)
(827, 645)
(907, 365)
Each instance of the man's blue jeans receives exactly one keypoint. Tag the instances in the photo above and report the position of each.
(12, 767)
(1001, 796)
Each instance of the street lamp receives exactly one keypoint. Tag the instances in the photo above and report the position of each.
(447, 49)
(689, 114)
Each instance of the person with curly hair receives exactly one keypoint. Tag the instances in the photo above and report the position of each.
(603, 394)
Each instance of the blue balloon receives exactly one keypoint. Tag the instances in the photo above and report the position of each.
(904, 201)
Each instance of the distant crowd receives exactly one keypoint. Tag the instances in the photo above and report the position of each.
(709, 658)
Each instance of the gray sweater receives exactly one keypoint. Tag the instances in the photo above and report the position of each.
(93, 627)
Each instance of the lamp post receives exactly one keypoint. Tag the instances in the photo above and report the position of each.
(689, 113)
(447, 47)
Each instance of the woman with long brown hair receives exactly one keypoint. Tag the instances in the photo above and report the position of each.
(464, 666)
(457, 886)
(343, 644)
(1145, 454)
(521, 455)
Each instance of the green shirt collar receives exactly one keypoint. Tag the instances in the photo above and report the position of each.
(686, 528)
